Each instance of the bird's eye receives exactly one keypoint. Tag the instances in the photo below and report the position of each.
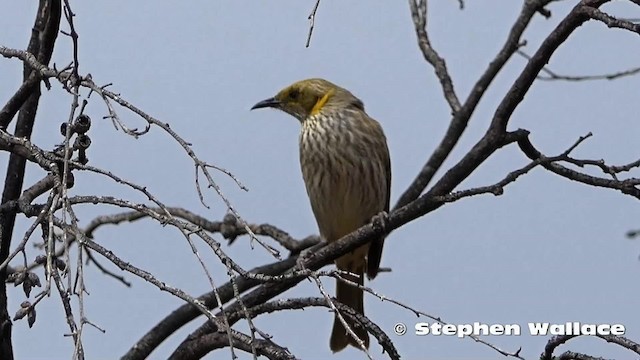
(293, 95)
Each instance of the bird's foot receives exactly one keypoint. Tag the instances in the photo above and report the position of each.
(302, 259)
(381, 221)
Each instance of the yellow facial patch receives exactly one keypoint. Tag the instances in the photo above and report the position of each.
(321, 102)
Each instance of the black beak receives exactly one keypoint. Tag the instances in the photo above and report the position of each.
(270, 102)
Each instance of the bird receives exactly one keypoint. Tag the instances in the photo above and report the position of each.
(346, 169)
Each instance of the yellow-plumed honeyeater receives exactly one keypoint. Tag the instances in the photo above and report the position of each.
(347, 172)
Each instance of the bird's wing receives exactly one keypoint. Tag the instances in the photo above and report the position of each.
(375, 249)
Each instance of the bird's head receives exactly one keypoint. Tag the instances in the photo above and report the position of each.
(309, 97)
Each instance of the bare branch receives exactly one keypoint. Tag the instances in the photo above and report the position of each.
(184, 314)
(312, 22)
(558, 340)
(461, 117)
(628, 187)
(202, 346)
(554, 76)
(609, 20)
(419, 16)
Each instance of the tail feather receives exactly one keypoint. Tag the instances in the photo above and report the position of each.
(374, 257)
(354, 298)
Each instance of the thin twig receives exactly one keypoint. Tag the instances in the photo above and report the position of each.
(312, 22)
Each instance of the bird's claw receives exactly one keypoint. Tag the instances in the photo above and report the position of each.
(302, 258)
(381, 221)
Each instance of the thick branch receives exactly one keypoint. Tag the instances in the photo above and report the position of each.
(185, 313)
(211, 342)
(461, 115)
(41, 43)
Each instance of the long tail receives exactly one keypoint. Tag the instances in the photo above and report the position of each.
(374, 257)
(354, 298)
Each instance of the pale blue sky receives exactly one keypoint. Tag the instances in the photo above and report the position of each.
(547, 250)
